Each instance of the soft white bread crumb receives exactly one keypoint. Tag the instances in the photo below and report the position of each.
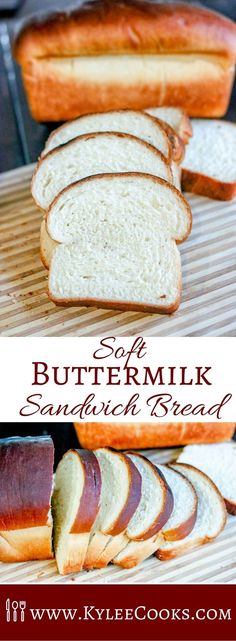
(47, 245)
(211, 151)
(218, 460)
(94, 154)
(118, 206)
(136, 123)
(183, 517)
(115, 494)
(153, 511)
(211, 515)
(143, 275)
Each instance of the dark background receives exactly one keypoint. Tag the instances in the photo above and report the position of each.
(63, 434)
(22, 138)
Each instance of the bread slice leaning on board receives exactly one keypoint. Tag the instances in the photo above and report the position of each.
(219, 463)
(139, 436)
(209, 164)
(91, 154)
(120, 496)
(76, 500)
(137, 123)
(211, 514)
(26, 484)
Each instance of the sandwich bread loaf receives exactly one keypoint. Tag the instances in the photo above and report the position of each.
(26, 480)
(130, 54)
(149, 435)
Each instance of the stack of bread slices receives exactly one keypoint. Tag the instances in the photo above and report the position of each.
(126, 508)
(110, 506)
(109, 186)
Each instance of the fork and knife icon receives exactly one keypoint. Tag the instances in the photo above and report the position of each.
(13, 609)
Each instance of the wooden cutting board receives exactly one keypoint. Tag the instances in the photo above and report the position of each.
(211, 563)
(209, 276)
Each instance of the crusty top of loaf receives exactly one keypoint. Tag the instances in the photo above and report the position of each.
(127, 26)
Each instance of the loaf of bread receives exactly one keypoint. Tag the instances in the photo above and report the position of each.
(149, 435)
(130, 54)
(211, 514)
(26, 479)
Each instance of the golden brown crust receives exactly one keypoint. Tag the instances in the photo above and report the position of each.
(167, 504)
(177, 143)
(230, 507)
(90, 498)
(28, 544)
(185, 131)
(151, 435)
(131, 26)
(26, 475)
(45, 84)
(134, 495)
(196, 183)
(125, 306)
(164, 555)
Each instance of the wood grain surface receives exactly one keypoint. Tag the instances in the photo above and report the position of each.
(209, 276)
(211, 563)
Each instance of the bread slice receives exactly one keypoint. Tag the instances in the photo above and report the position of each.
(136, 123)
(211, 514)
(153, 511)
(70, 217)
(209, 164)
(218, 461)
(121, 493)
(176, 118)
(179, 524)
(183, 517)
(115, 206)
(91, 154)
(26, 480)
(76, 501)
(142, 275)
